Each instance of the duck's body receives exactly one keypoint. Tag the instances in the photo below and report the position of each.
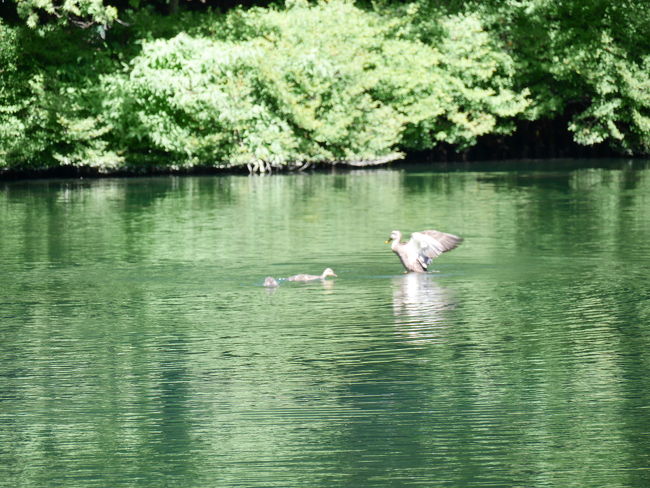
(308, 277)
(422, 248)
(270, 282)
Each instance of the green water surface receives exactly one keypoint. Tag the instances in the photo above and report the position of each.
(139, 348)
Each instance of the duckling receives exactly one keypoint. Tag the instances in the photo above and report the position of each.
(307, 277)
(270, 282)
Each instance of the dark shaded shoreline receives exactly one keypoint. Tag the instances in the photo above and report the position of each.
(409, 163)
(540, 139)
(536, 141)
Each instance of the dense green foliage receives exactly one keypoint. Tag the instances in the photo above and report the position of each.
(322, 83)
(49, 111)
(591, 57)
(80, 11)
(302, 83)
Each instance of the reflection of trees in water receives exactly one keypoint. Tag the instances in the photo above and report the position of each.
(420, 305)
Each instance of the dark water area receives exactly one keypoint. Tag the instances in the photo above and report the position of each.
(138, 346)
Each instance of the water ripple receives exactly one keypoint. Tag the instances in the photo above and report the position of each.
(138, 345)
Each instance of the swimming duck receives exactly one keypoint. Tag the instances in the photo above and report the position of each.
(307, 277)
(422, 247)
(270, 282)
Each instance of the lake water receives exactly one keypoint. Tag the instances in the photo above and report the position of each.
(138, 346)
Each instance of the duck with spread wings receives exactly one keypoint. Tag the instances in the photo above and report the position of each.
(416, 253)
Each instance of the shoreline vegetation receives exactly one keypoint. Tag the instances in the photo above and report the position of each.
(91, 88)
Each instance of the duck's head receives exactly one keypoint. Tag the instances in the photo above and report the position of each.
(328, 272)
(270, 282)
(394, 236)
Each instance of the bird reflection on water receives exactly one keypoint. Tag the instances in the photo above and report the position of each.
(420, 307)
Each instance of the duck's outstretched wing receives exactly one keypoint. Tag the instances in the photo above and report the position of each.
(430, 244)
